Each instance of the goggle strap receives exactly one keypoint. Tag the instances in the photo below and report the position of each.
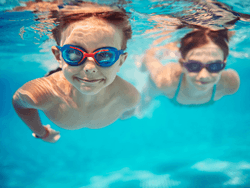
(120, 52)
(59, 47)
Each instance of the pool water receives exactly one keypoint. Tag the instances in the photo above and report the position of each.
(168, 146)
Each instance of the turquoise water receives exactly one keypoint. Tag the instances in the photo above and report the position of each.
(169, 146)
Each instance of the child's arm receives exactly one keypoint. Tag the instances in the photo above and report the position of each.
(152, 64)
(168, 77)
(27, 101)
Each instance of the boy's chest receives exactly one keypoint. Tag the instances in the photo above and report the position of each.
(95, 116)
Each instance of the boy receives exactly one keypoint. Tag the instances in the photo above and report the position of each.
(87, 92)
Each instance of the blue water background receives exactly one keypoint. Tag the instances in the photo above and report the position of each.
(169, 147)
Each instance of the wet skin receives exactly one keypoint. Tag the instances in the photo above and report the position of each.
(79, 96)
(97, 91)
(89, 78)
(206, 54)
(196, 87)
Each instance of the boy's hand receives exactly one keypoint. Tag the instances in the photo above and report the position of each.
(52, 137)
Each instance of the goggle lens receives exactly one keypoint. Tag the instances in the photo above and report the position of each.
(105, 57)
(72, 55)
(215, 67)
(75, 56)
(193, 67)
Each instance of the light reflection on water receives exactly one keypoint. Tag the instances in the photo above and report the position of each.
(189, 148)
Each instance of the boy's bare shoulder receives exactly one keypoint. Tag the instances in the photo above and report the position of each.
(128, 94)
(36, 93)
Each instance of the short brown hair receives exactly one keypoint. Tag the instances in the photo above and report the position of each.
(202, 37)
(73, 13)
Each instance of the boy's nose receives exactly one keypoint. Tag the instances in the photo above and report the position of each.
(90, 65)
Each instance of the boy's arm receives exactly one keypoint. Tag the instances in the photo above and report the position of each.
(27, 101)
(28, 114)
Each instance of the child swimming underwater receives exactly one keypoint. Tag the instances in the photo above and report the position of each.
(86, 93)
(200, 77)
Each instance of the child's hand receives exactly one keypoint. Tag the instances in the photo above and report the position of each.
(53, 135)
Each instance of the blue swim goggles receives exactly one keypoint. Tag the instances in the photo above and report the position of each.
(104, 57)
(196, 66)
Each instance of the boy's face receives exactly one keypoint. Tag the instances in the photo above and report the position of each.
(91, 34)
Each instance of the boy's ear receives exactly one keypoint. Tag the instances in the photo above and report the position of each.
(57, 55)
(123, 58)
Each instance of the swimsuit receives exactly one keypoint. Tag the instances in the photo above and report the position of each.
(174, 99)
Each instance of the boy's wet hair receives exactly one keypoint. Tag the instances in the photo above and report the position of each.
(69, 14)
(203, 36)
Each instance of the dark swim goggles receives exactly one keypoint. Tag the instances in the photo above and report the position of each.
(196, 66)
(104, 57)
